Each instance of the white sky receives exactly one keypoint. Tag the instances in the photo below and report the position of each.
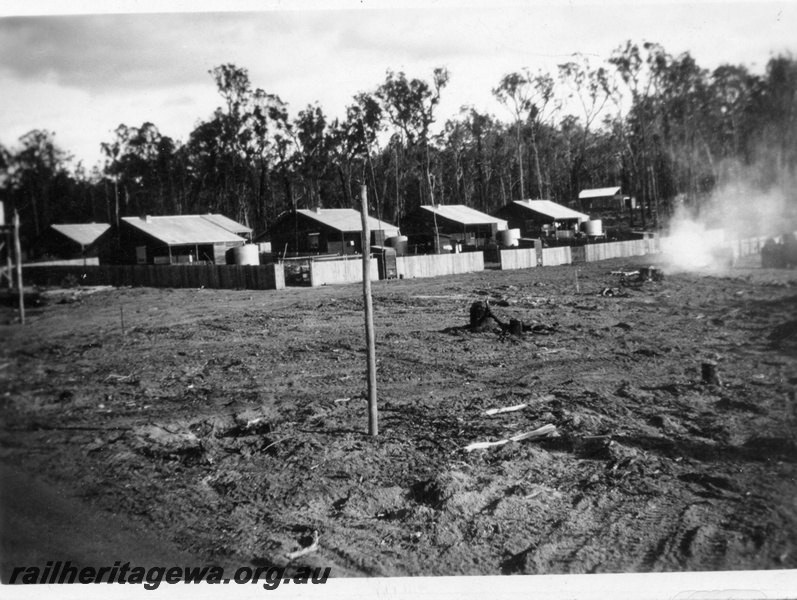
(82, 74)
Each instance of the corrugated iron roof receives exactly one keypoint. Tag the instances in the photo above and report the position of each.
(84, 234)
(599, 192)
(465, 215)
(227, 223)
(345, 219)
(552, 209)
(183, 229)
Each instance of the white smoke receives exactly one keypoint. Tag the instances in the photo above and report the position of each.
(702, 239)
(687, 245)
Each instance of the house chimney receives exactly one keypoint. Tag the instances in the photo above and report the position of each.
(146, 218)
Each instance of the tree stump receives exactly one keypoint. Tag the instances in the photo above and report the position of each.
(709, 373)
(480, 315)
(516, 327)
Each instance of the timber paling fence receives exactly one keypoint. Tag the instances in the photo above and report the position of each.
(525, 258)
(249, 277)
(435, 265)
(327, 272)
(323, 272)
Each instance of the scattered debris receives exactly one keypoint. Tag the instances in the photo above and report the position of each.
(117, 377)
(305, 551)
(506, 409)
(637, 278)
(542, 432)
(480, 314)
(610, 291)
(157, 440)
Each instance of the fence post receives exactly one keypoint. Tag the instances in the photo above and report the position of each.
(373, 428)
(18, 256)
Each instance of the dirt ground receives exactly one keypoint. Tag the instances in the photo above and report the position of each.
(230, 425)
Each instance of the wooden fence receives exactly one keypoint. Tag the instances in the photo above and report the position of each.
(250, 277)
(552, 257)
(522, 258)
(609, 250)
(272, 276)
(748, 246)
(435, 265)
(328, 272)
(71, 262)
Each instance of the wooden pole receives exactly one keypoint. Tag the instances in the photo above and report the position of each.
(373, 428)
(18, 255)
(9, 264)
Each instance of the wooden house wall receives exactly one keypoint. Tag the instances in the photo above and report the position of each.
(423, 222)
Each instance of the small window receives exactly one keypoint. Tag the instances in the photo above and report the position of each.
(313, 240)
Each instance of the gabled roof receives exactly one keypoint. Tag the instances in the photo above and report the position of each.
(84, 234)
(464, 214)
(183, 229)
(552, 209)
(228, 224)
(344, 219)
(599, 192)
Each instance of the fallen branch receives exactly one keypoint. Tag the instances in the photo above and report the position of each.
(305, 551)
(273, 444)
(117, 377)
(506, 409)
(544, 431)
(482, 445)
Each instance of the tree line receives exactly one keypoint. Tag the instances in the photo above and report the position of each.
(660, 126)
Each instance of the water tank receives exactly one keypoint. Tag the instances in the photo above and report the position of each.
(509, 238)
(593, 228)
(399, 243)
(248, 254)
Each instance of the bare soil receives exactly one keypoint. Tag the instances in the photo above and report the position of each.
(230, 425)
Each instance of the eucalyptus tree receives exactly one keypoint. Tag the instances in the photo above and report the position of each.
(531, 99)
(585, 99)
(140, 161)
(776, 112)
(732, 92)
(354, 143)
(37, 179)
(410, 106)
(313, 141)
(637, 125)
(239, 144)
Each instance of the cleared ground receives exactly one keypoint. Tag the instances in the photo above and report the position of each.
(230, 425)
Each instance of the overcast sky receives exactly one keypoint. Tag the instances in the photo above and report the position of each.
(81, 75)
